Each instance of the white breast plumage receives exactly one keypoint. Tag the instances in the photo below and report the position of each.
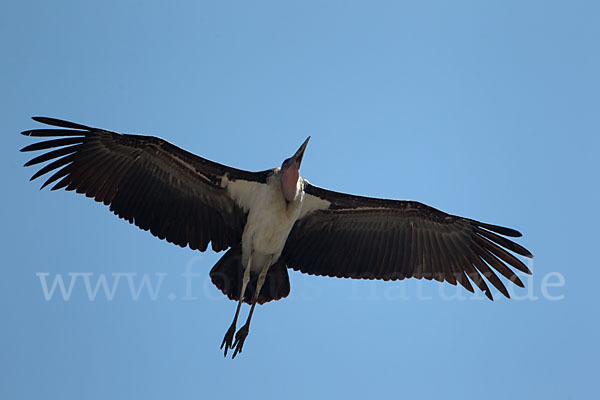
(270, 217)
(271, 220)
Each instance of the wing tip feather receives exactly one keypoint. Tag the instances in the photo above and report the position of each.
(61, 123)
(502, 230)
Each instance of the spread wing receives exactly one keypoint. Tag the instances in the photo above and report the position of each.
(348, 236)
(145, 180)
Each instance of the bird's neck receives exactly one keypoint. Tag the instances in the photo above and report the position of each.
(290, 184)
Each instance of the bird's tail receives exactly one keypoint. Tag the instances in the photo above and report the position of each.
(228, 272)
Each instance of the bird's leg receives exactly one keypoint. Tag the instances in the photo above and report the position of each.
(241, 335)
(228, 339)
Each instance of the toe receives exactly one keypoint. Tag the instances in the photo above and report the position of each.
(228, 339)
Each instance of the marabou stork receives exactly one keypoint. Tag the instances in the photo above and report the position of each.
(270, 220)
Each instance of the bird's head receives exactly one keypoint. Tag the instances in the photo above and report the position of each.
(290, 172)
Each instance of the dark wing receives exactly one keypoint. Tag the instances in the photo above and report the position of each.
(145, 180)
(349, 236)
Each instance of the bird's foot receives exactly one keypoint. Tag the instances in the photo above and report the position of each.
(228, 339)
(240, 337)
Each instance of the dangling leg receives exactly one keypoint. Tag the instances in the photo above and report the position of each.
(241, 335)
(228, 339)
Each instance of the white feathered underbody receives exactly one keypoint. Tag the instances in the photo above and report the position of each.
(270, 218)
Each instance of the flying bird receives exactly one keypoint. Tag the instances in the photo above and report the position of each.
(271, 220)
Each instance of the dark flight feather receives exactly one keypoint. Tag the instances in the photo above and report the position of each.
(352, 236)
(145, 180)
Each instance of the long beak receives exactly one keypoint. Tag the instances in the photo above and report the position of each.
(300, 153)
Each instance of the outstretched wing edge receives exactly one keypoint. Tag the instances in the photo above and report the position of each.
(145, 180)
(349, 236)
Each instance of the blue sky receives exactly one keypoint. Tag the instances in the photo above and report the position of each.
(484, 109)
